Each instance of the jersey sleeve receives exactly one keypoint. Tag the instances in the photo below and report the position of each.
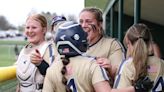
(116, 54)
(50, 54)
(126, 75)
(98, 74)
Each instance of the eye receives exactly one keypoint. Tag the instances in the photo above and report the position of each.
(81, 21)
(88, 21)
(27, 27)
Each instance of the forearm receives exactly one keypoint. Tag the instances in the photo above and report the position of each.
(43, 67)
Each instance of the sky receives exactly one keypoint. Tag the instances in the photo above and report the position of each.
(16, 11)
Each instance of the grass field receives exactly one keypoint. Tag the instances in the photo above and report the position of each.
(8, 86)
(7, 58)
(7, 54)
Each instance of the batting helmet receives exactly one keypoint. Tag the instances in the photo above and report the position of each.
(56, 19)
(71, 40)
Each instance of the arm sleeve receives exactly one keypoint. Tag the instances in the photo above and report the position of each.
(126, 76)
(98, 74)
(43, 67)
(116, 55)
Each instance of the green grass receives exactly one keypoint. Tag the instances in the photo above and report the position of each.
(9, 42)
(7, 55)
(7, 58)
(8, 86)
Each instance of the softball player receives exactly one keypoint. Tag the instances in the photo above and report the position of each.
(140, 61)
(76, 72)
(35, 57)
(109, 51)
(56, 21)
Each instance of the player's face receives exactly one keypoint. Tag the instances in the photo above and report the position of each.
(34, 31)
(89, 25)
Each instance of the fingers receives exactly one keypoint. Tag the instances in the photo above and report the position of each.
(103, 62)
(37, 51)
(36, 57)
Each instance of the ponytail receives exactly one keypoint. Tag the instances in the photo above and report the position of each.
(140, 55)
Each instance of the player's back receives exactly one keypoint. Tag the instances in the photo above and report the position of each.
(82, 74)
(156, 73)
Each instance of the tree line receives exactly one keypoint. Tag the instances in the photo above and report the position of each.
(5, 25)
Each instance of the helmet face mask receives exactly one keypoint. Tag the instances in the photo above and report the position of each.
(71, 40)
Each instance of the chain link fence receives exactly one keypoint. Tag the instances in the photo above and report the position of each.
(8, 55)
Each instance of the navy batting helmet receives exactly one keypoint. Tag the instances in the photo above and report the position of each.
(56, 19)
(70, 39)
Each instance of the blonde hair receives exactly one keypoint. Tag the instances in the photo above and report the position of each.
(40, 18)
(140, 37)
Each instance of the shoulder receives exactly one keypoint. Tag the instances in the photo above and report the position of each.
(113, 41)
(127, 66)
(152, 60)
(27, 49)
(55, 68)
(85, 59)
(108, 39)
(127, 70)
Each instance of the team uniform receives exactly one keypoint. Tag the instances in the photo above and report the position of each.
(108, 48)
(28, 74)
(82, 74)
(126, 74)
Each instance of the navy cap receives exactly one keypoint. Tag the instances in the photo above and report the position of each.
(56, 19)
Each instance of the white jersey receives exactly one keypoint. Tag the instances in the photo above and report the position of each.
(28, 75)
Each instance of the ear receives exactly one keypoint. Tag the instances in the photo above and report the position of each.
(44, 30)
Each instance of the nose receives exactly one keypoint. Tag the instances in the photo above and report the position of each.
(83, 24)
(28, 31)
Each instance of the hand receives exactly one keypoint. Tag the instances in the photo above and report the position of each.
(143, 84)
(103, 62)
(36, 57)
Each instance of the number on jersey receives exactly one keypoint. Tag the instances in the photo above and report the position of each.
(71, 84)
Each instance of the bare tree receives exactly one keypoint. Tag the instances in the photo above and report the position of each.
(4, 24)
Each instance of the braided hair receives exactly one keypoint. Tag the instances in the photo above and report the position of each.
(65, 61)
